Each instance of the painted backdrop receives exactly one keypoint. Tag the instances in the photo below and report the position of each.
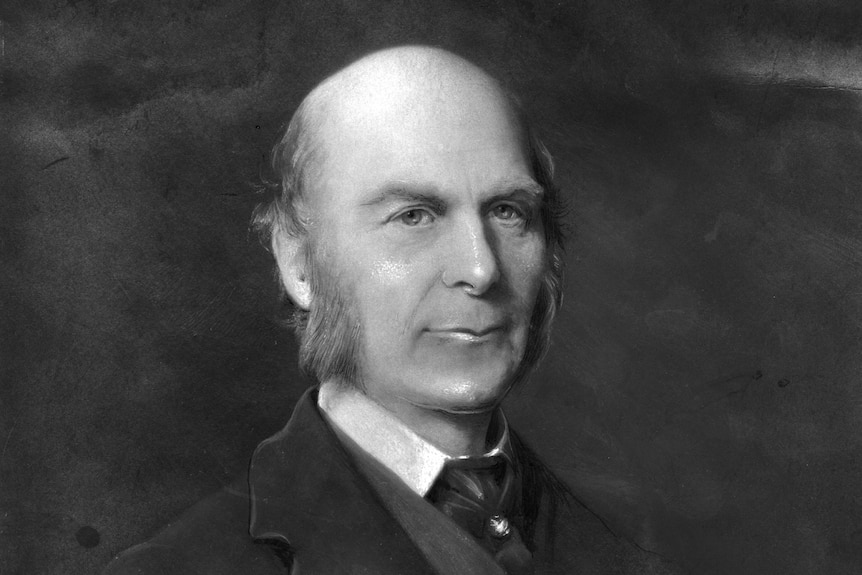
(703, 388)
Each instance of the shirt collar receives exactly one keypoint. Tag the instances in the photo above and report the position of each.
(387, 439)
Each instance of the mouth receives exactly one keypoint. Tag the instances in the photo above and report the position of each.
(467, 334)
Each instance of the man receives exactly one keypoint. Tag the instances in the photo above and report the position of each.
(416, 233)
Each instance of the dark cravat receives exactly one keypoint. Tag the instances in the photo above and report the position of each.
(480, 495)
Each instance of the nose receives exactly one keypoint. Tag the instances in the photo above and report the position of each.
(471, 262)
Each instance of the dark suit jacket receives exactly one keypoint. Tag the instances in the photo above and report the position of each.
(312, 504)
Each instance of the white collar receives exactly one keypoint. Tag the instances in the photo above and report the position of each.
(383, 436)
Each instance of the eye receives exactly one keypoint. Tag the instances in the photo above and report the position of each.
(415, 217)
(506, 212)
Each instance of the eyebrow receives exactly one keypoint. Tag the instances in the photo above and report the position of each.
(529, 186)
(428, 194)
(409, 193)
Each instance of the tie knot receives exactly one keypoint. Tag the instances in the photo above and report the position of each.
(483, 475)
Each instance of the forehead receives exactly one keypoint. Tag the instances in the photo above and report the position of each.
(460, 136)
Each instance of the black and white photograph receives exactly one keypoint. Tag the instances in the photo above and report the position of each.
(493, 287)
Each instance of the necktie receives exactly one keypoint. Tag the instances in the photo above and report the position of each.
(480, 495)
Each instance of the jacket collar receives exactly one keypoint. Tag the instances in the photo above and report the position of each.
(307, 494)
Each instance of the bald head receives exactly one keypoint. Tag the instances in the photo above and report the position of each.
(403, 74)
(404, 61)
(409, 84)
(394, 97)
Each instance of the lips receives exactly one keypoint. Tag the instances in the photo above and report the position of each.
(468, 334)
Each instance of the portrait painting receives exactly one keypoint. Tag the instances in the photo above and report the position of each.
(504, 288)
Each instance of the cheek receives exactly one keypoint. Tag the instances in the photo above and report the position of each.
(525, 266)
(387, 295)
(389, 271)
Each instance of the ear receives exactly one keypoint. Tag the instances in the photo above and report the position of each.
(290, 257)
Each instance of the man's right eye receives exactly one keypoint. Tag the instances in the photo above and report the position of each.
(415, 217)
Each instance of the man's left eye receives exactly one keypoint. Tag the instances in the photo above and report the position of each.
(506, 212)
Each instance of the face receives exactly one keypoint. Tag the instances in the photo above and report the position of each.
(427, 220)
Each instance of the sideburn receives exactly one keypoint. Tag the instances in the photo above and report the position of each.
(329, 341)
(545, 310)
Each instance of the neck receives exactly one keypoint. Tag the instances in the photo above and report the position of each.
(456, 434)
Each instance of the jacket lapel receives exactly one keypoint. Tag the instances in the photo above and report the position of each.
(311, 502)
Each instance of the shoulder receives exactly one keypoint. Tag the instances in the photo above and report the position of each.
(210, 538)
(569, 537)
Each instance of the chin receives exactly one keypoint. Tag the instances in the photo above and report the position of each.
(469, 395)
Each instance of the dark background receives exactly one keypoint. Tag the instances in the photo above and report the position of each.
(703, 389)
